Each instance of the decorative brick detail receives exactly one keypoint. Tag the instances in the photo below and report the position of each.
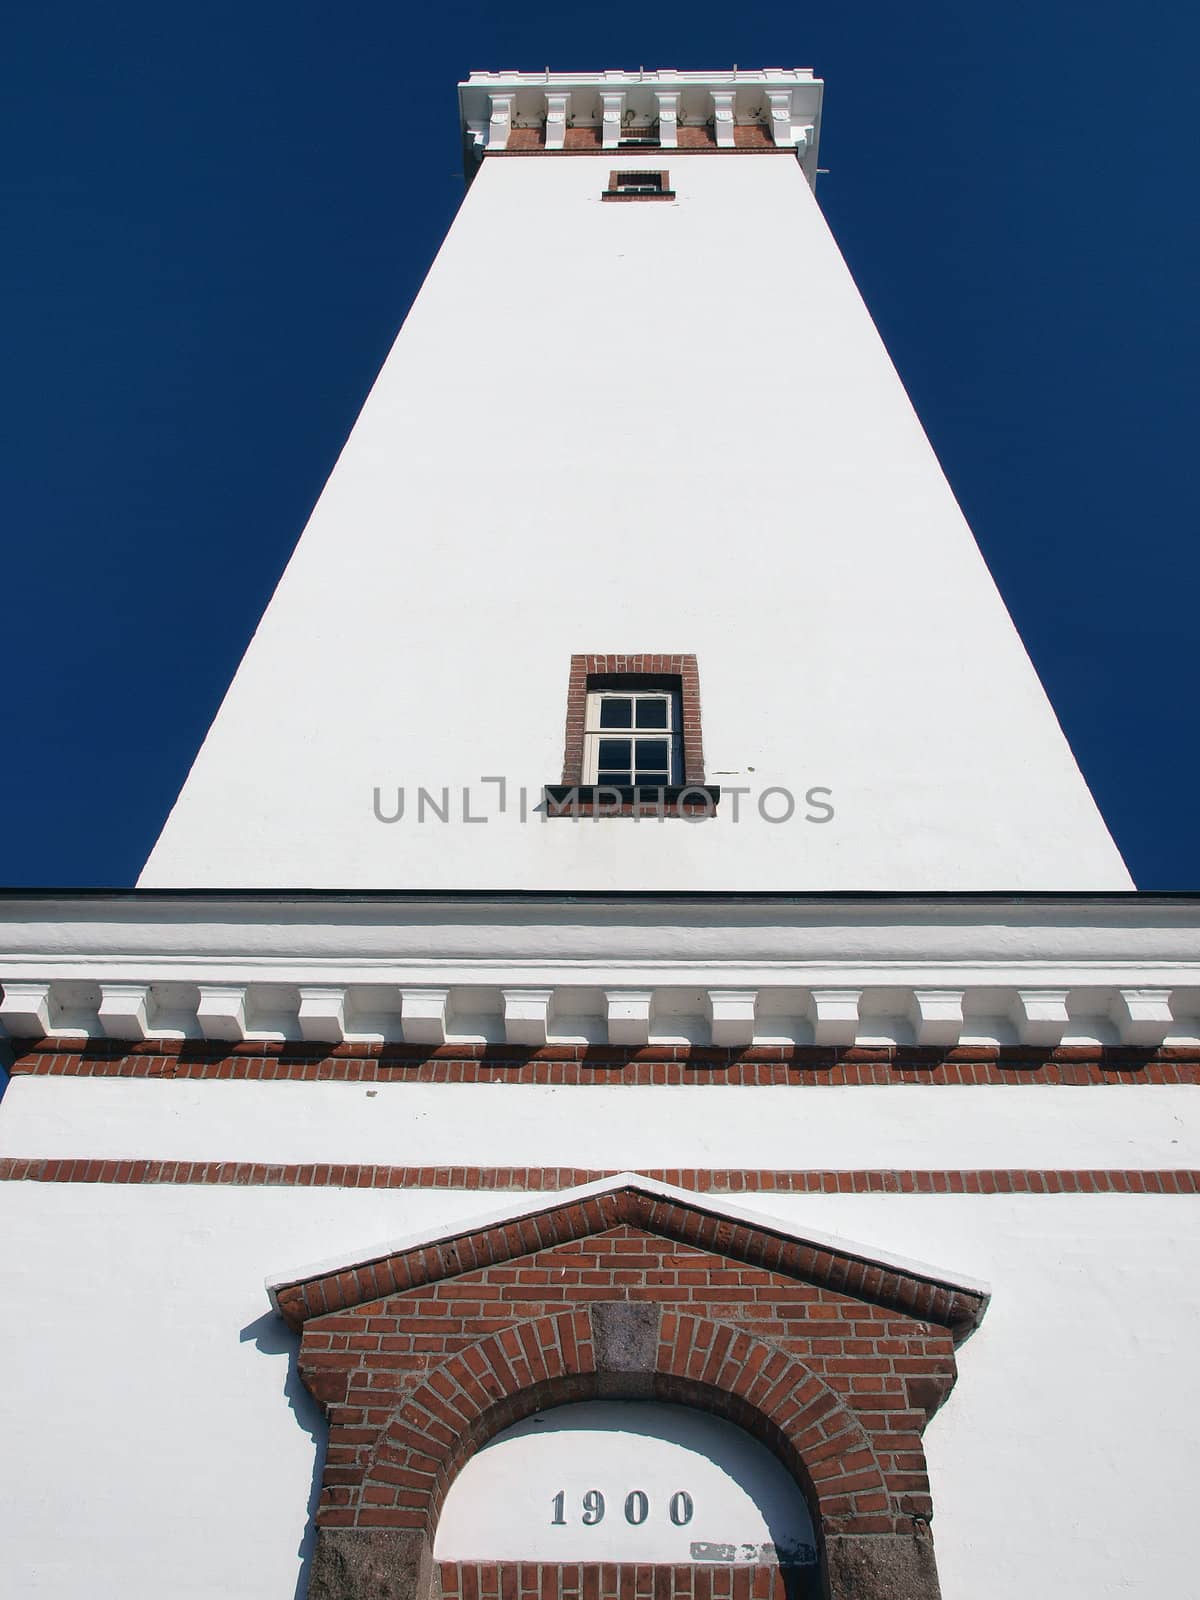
(523, 1180)
(585, 667)
(831, 1360)
(974, 1066)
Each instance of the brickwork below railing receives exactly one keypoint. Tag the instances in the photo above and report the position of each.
(758, 1066)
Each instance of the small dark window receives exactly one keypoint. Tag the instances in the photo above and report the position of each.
(639, 186)
(640, 182)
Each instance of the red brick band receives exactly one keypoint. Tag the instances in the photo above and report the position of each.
(589, 141)
(725, 1180)
(760, 1066)
(532, 1580)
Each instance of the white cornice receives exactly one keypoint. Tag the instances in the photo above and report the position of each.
(784, 100)
(428, 969)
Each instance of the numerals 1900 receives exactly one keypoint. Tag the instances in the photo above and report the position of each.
(637, 1508)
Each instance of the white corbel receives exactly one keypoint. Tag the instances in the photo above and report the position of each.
(500, 122)
(937, 1016)
(834, 1014)
(722, 100)
(1143, 1016)
(25, 1010)
(557, 108)
(732, 1013)
(1040, 1015)
(221, 1012)
(527, 1016)
(612, 110)
(668, 118)
(779, 105)
(322, 1013)
(423, 1015)
(628, 1016)
(124, 1009)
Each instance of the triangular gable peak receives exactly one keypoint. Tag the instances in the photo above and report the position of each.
(701, 1221)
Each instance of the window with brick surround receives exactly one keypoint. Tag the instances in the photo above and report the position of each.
(633, 735)
(653, 185)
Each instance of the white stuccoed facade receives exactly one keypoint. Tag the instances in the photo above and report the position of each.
(609, 428)
(176, 1415)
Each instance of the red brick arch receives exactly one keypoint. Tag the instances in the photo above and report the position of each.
(552, 1360)
(627, 1289)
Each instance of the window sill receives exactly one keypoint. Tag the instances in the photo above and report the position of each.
(621, 194)
(646, 800)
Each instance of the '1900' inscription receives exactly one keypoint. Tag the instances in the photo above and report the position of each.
(637, 1508)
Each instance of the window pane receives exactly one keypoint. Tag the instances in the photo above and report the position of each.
(616, 780)
(616, 714)
(614, 753)
(652, 713)
(652, 753)
(641, 182)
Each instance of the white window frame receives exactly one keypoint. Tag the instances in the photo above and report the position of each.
(672, 733)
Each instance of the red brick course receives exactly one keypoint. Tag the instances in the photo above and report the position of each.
(711, 1180)
(526, 1580)
(973, 1066)
(749, 138)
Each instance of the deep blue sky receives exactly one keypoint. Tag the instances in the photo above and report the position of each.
(216, 219)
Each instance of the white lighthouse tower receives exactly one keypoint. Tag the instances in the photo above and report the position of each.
(638, 413)
(637, 926)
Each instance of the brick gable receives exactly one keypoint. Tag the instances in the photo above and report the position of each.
(834, 1362)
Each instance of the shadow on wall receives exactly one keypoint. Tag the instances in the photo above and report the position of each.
(271, 1335)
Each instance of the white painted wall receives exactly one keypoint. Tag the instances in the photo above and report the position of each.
(708, 1491)
(638, 428)
(149, 1434)
(611, 1128)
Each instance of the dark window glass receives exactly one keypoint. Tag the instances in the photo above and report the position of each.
(652, 755)
(652, 713)
(614, 753)
(640, 182)
(617, 714)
